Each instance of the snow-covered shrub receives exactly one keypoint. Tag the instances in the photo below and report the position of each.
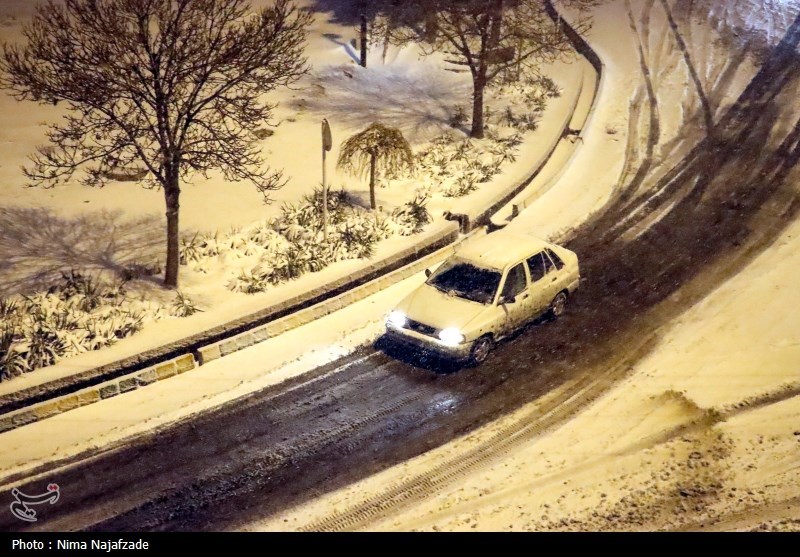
(339, 205)
(464, 151)
(547, 86)
(9, 311)
(12, 359)
(255, 280)
(42, 346)
(78, 314)
(359, 236)
(459, 166)
(183, 306)
(81, 290)
(527, 96)
(136, 270)
(412, 216)
(508, 142)
(481, 171)
(292, 243)
(526, 121)
(464, 184)
(189, 250)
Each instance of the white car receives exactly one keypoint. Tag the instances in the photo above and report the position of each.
(488, 289)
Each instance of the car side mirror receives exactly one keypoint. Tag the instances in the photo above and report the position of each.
(507, 300)
(428, 273)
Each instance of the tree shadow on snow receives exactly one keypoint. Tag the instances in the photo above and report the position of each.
(419, 104)
(335, 38)
(340, 12)
(36, 245)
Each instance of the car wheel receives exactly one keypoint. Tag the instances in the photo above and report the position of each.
(559, 305)
(480, 350)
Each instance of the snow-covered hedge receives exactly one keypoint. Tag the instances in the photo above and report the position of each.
(293, 244)
(457, 166)
(79, 314)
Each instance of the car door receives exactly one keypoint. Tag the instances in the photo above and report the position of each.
(540, 287)
(515, 286)
(556, 275)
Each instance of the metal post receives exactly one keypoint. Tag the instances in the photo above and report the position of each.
(327, 142)
(324, 199)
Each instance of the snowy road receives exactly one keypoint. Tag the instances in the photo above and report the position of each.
(717, 208)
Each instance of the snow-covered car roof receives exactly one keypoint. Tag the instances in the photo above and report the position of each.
(499, 249)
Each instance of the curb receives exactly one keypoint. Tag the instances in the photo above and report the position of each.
(524, 198)
(90, 395)
(470, 222)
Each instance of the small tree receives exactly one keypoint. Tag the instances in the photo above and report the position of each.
(175, 85)
(376, 148)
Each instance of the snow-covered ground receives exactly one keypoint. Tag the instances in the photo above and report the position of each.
(703, 432)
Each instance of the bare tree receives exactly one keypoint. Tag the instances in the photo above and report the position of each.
(488, 38)
(174, 85)
(376, 148)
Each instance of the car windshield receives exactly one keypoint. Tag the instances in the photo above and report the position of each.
(465, 280)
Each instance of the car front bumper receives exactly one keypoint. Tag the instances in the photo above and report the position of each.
(428, 343)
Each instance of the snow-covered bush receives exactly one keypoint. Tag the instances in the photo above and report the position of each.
(528, 97)
(458, 118)
(526, 121)
(183, 306)
(189, 250)
(12, 358)
(464, 184)
(359, 234)
(459, 166)
(136, 270)
(78, 314)
(292, 244)
(412, 216)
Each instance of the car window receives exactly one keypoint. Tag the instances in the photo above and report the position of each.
(461, 278)
(556, 259)
(515, 281)
(536, 267)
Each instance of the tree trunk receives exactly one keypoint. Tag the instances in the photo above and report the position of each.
(372, 181)
(478, 85)
(363, 40)
(171, 195)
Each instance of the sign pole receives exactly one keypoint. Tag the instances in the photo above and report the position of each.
(326, 146)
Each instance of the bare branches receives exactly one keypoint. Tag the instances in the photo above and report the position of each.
(174, 85)
(165, 82)
(491, 38)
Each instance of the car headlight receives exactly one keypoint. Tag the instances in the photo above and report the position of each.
(397, 319)
(451, 336)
